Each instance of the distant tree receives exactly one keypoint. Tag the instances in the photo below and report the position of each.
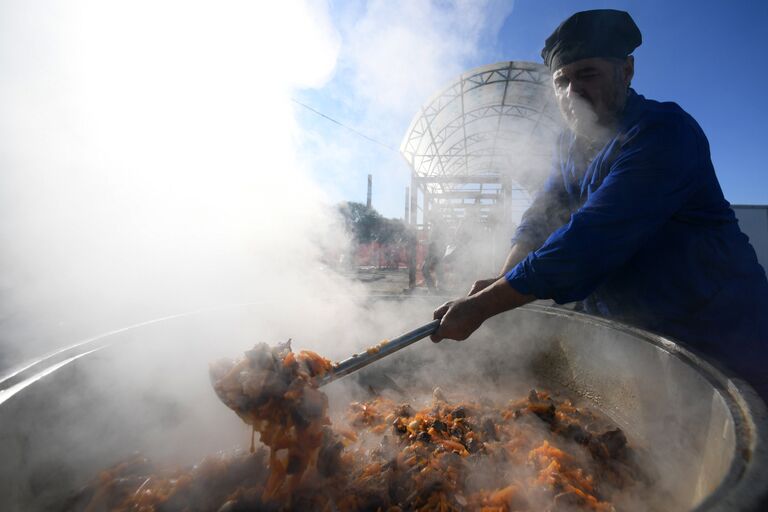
(367, 225)
(391, 231)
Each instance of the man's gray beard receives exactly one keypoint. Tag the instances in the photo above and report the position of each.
(590, 130)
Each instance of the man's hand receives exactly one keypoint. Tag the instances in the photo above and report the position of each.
(461, 317)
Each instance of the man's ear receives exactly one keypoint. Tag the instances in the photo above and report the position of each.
(628, 70)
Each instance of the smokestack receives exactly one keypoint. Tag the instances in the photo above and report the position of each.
(370, 186)
(407, 204)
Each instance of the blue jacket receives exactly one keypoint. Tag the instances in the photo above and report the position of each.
(643, 234)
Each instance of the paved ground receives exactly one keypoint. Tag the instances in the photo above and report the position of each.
(386, 281)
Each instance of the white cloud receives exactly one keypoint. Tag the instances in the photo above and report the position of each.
(400, 52)
(395, 55)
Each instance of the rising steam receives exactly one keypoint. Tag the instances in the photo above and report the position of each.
(151, 158)
(149, 164)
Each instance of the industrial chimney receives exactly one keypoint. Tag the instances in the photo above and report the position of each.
(370, 186)
(406, 217)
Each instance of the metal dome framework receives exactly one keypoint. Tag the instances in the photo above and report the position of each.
(475, 147)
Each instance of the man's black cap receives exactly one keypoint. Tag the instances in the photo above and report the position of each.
(599, 33)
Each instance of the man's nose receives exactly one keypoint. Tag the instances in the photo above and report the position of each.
(574, 91)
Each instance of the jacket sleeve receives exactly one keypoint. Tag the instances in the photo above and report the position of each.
(651, 177)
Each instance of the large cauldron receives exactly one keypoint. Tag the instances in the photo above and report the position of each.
(146, 389)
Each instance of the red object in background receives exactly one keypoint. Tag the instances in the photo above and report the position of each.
(391, 256)
(374, 254)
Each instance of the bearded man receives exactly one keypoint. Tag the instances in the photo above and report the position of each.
(632, 222)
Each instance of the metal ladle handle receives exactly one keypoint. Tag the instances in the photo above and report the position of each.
(369, 356)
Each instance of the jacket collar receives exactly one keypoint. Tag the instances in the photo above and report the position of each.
(632, 110)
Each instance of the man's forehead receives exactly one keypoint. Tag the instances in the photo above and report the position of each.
(593, 63)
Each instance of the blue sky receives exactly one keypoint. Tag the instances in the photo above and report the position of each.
(704, 55)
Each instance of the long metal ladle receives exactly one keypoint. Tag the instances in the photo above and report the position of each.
(358, 361)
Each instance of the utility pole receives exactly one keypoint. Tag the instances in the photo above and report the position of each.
(413, 232)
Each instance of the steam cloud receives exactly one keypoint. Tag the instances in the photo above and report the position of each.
(148, 161)
(152, 161)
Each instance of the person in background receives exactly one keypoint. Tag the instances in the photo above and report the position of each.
(432, 268)
(631, 222)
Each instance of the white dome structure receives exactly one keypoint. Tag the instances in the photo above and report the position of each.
(483, 143)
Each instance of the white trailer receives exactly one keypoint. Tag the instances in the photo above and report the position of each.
(753, 220)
